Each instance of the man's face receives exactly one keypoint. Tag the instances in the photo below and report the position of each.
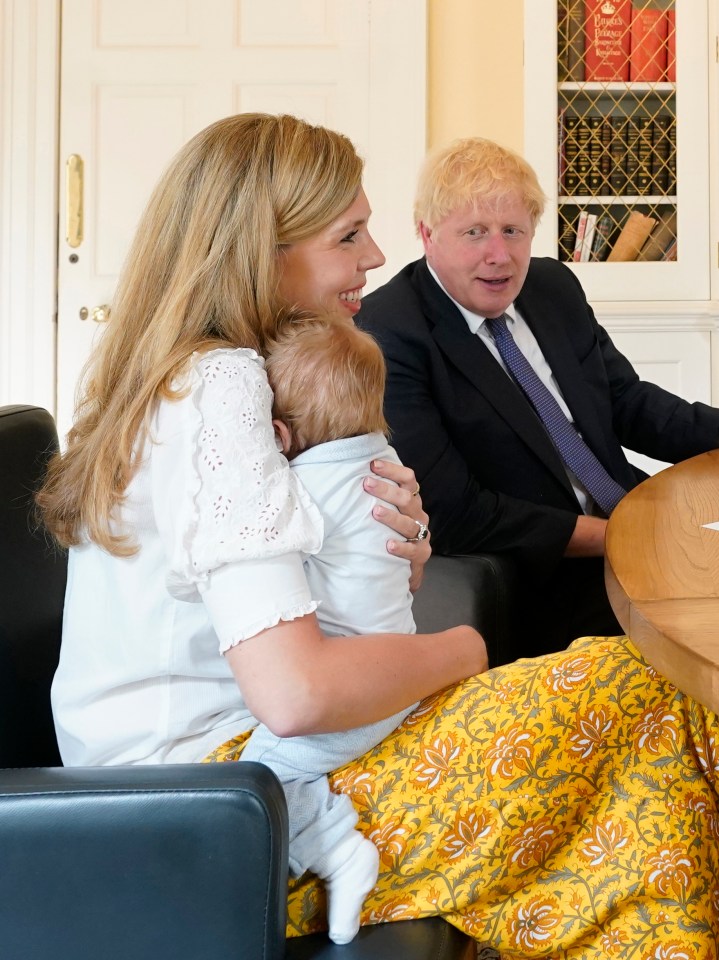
(481, 253)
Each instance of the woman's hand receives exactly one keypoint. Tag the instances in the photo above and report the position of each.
(411, 520)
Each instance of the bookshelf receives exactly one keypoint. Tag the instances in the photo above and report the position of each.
(618, 132)
(663, 314)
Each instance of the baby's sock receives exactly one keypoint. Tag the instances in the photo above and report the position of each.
(349, 872)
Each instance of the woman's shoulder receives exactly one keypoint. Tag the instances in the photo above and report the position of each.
(228, 363)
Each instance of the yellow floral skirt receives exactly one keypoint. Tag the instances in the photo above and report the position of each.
(562, 807)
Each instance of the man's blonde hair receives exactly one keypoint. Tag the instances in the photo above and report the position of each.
(328, 381)
(203, 271)
(473, 170)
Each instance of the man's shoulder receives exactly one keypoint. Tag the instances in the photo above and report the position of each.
(394, 298)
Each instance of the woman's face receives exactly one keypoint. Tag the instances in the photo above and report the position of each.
(327, 272)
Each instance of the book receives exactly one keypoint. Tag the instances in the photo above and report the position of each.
(603, 231)
(594, 151)
(631, 156)
(643, 182)
(618, 155)
(661, 236)
(671, 45)
(672, 158)
(605, 157)
(607, 39)
(568, 156)
(579, 237)
(648, 44)
(566, 237)
(582, 160)
(571, 40)
(590, 227)
(661, 144)
(632, 237)
(671, 251)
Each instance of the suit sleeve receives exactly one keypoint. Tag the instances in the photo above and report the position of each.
(464, 517)
(651, 420)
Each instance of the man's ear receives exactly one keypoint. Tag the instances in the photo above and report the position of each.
(283, 435)
(425, 233)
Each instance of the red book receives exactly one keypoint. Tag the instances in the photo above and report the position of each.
(671, 45)
(607, 39)
(648, 57)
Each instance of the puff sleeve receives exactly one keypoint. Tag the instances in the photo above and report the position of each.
(225, 498)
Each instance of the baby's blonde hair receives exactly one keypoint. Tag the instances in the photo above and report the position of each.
(474, 170)
(328, 381)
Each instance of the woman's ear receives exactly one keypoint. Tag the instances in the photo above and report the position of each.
(283, 436)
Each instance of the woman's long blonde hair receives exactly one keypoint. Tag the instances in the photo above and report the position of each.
(203, 271)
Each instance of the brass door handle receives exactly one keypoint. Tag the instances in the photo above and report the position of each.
(99, 314)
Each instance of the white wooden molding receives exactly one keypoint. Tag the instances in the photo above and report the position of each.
(29, 44)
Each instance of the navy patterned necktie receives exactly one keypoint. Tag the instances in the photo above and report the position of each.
(572, 449)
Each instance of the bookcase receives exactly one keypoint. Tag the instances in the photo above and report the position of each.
(631, 142)
(617, 127)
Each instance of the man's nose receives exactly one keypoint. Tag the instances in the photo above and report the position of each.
(496, 249)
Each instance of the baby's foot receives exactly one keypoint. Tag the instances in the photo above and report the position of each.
(352, 870)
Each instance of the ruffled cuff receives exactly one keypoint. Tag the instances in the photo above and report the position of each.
(245, 598)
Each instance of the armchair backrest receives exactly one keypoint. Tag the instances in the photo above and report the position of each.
(32, 588)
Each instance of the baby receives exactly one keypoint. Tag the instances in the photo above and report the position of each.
(328, 383)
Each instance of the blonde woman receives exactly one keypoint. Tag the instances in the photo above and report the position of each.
(564, 806)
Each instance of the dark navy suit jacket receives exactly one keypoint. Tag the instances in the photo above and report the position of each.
(492, 481)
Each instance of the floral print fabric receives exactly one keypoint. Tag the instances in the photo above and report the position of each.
(562, 807)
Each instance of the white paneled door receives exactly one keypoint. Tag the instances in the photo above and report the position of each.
(138, 79)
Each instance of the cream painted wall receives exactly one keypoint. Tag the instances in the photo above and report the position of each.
(475, 75)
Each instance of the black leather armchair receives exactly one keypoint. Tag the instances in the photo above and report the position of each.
(180, 861)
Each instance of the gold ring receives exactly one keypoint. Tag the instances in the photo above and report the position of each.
(415, 492)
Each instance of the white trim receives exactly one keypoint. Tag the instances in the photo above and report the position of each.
(29, 63)
(402, 130)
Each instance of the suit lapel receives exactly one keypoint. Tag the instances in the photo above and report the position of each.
(472, 358)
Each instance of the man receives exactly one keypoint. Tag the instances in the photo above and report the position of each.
(509, 400)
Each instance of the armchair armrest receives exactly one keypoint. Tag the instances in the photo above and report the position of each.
(473, 589)
(168, 862)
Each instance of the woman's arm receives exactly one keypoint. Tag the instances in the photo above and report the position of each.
(298, 682)
(403, 493)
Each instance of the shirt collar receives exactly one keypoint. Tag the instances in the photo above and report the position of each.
(474, 320)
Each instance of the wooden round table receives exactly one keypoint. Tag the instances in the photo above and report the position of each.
(662, 573)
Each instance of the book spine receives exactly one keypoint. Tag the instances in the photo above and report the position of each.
(605, 156)
(575, 40)
(594, 149)
(671, 251)
(631, 160)
(648, 56)
(579, 238)
(633, 235)
(582, 161)
(618, 151)
(562, 42)
(588, 238)
(671, 45)
(660, 153)
(672, 160)
(566, 237)
(643, 176)
(570, 178)
(607, 39)
(661, 236)
(602, 237)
